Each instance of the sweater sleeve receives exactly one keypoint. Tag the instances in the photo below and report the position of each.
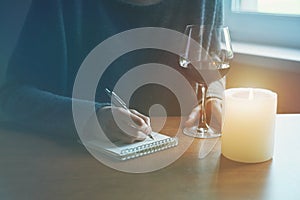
(36, 95)
(39, 110)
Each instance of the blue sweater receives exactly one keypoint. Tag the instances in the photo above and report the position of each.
(59, 34)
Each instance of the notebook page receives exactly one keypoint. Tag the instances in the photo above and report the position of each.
(128, 151)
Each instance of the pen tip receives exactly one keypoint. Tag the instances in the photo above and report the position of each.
(150, 136)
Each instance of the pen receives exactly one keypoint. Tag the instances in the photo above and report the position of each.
(121, 103)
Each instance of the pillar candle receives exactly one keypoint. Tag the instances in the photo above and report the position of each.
(249, 122)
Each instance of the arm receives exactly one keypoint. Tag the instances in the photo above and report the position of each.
(39, 110)
(32, 96)
(37, 92)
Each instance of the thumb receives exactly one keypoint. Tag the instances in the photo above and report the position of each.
(194, 115)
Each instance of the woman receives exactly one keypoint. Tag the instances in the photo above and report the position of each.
(59, 34)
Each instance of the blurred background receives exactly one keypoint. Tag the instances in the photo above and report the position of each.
(266, 44)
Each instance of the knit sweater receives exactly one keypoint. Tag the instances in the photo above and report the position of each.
(59, 34)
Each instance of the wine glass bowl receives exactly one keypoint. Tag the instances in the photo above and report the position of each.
(206, 52)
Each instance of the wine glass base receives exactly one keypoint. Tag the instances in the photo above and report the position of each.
(201, 132)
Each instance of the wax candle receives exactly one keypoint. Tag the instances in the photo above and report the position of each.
(249, 122)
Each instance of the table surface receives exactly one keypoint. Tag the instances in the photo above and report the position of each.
(35, 166)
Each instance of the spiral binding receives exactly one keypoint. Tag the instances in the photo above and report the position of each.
(146, 149)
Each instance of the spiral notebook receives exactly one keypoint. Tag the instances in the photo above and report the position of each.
(122, 151)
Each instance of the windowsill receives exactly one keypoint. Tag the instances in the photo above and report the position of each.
(267, 56)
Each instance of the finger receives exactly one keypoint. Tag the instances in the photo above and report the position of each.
(120, 136)
(131, 124)
(141, 137)
(193, 117)
(146, 126)
(215, 115)
(138, 118)
(133, 127)
(144, 117)
(122, 131)
(133, 132)
(142, 123)
(119, 126)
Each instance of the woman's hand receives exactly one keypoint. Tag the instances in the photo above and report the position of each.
(213, 114)
(120, 124)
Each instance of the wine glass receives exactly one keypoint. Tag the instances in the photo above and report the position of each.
(205, 57)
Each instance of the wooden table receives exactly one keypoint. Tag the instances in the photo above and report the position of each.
(36, 166)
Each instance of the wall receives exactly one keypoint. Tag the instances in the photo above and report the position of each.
(282, 77)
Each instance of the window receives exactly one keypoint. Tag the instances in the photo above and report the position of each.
(264, 22)
(275, 7)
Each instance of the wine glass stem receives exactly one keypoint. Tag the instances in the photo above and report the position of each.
(201, 91)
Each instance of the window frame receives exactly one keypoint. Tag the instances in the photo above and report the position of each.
(274, 30)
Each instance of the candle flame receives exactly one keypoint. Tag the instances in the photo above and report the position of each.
(251, 95)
